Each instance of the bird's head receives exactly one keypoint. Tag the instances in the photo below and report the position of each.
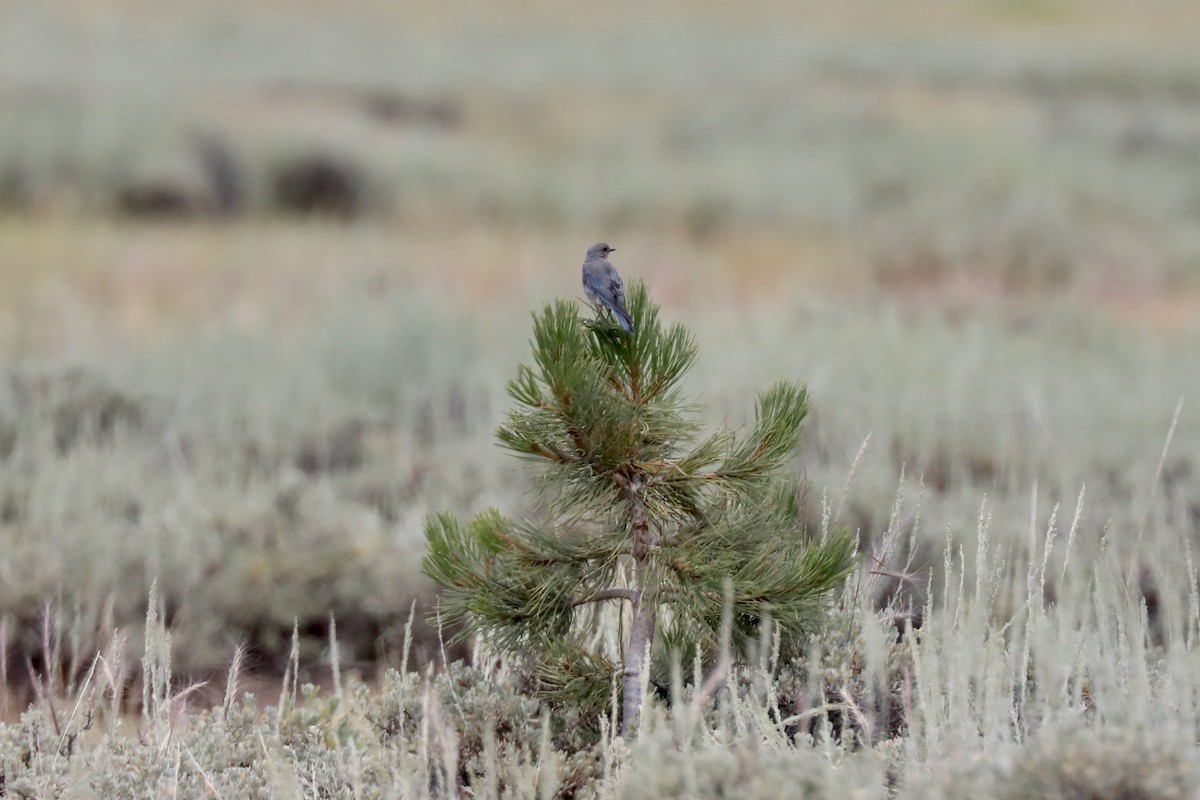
(600, 250)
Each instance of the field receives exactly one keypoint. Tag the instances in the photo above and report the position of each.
(266, 268)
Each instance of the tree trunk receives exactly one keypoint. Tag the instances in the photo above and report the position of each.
(645, 609)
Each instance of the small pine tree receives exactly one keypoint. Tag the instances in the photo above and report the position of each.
(636, 508)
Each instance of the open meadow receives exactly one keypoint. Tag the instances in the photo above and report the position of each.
(266, 268)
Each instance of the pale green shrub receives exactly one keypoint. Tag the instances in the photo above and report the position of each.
(1073, 762)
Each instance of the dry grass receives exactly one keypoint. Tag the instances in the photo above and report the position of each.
(136, 281)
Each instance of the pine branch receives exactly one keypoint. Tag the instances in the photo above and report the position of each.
(567, 673)
(779, 413)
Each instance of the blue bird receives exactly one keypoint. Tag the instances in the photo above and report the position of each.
(603, 285)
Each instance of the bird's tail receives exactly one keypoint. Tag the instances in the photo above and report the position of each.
(623, 319)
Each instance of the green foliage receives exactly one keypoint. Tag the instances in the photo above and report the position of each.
(628, 484)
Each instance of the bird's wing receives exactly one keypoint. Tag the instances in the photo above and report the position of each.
(601, 278)
(618, 287)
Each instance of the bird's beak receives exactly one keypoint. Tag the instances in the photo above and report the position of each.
(612, 249)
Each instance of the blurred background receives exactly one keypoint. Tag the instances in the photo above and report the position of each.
(265, 268)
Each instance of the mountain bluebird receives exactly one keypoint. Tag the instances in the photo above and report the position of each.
(603, 285)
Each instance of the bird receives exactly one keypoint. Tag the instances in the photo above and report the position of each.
(603, 285)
